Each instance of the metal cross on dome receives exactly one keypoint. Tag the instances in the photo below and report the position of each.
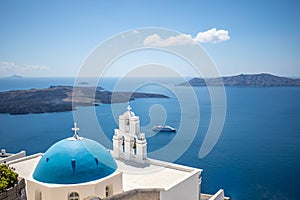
(75, 129)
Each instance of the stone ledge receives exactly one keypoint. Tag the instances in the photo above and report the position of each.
(137, 194)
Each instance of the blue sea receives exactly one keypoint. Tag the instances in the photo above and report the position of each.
(256, 157)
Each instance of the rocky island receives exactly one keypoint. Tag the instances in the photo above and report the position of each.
(245, 80)
(63, 98)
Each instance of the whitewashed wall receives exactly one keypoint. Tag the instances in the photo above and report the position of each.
(40, 191)
(187, 190)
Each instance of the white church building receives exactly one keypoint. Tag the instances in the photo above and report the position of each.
(78, 168)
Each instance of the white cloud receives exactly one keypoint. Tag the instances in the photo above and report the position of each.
(211, 36)
(7, 66)
(156, 40)
(10, 68)
(34, 68)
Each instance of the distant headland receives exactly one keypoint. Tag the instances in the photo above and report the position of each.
(15, 76)
(63, 98)
(245, 80)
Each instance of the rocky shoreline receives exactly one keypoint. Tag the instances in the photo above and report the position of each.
(63, 98)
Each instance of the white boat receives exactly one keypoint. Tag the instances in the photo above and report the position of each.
(164, 128)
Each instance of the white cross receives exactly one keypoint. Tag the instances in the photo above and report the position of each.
(129, 108)
(75, 129)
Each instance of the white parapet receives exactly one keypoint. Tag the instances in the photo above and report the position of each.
(12, 157)
(218, 196)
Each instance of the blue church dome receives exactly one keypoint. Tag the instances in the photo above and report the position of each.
(74, 160)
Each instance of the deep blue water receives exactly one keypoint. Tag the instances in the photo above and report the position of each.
(256, 156)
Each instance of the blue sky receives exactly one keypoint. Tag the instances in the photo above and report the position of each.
(53, 38)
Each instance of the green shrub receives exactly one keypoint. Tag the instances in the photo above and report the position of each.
(8, 178)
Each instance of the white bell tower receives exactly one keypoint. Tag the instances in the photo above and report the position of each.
(128, 142)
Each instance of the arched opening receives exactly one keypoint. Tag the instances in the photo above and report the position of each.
(127, 125)
(134, 146)
(73, 196)
(108, 190)
(123, 144)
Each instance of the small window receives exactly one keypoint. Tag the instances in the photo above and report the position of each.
(74, 196)
(108, 190)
